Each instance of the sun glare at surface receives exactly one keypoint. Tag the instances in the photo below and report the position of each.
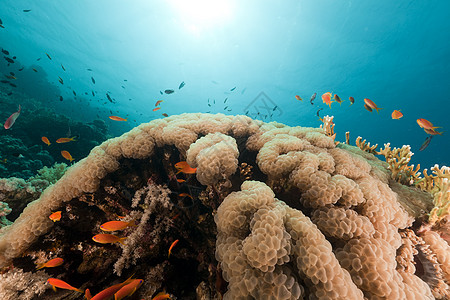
(198, 15)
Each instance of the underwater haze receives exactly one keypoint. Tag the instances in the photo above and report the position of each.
(89, 60)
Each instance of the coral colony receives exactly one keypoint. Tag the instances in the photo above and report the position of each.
(201, 206)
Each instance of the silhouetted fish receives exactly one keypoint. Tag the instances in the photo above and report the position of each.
(426, 143)
(181, 85)
(26, 10)
(89, 70)
(4, 81)
(75, 94)
(63, 67)
(9, 60)
(168, 91)
(21, 69)
(93, 80)
(232, 89)
(12, 84)
(61, 98)
(48, 55)
(9, 94)
(6, 52)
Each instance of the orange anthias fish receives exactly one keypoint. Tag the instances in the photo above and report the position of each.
(161, 296)
(156, 108)
(298, 97)
(106, 238)
(396, 114)
(116, 225)
(352, 100)
(371, 104)
(165, 115)
(45, 140)
(66, 140)
(171, 247)
(337, 99)
(58, 283)
(185, 195)
(433, 132)
(183, 167)
(158, 102)
(326, 98)
(12, 118)
(423, 123)
(116, 118)
(51, 263)
(128, 289)
(108, 292)
(67, 155)
(56, 216)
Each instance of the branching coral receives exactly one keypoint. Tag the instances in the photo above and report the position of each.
(365, 146)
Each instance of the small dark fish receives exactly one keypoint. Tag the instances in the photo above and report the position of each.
(169, 91)
(123, 87)
(93, 93)
(48, 55)
(9, 94)
(21, 69)
(161, 92)
(225, 107)
(426, 143)
(60, 80)
(1, 25)
(232, 89)
(125, 80)
(12, 84)
(214, 101)
(4, 81)
(9, 60)
(181, 85)
(93, 80)
(109, 98)
(64, 69)
(12, 73)
(275, 108)
(225, 101)
(89, 70)
(317, 113)
(209, 105)
(6, 52)
(10, 77)
(26, 10)
(352, 100)
(61, 98)
(312, 98)
(1, 22)
(38, 59)
(86, 93)
(75, 94)
(34, 69)
(14, 57)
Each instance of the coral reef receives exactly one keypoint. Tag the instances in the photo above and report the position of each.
(304, 217)
(23, 153)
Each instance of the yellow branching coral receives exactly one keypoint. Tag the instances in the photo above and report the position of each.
(365, 146)
(328, 127)
(438, 185)
(398, 159)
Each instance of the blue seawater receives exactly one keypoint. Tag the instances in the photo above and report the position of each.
(237, 57)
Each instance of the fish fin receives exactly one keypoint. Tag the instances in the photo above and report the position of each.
(88, 294)
(54, 288)
(377, 109)
(40, 266)
(121, 240)
(80, 291)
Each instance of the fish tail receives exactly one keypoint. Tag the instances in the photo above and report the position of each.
(40, 266)
(377, 109)
(79, 290)
(121, 240)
